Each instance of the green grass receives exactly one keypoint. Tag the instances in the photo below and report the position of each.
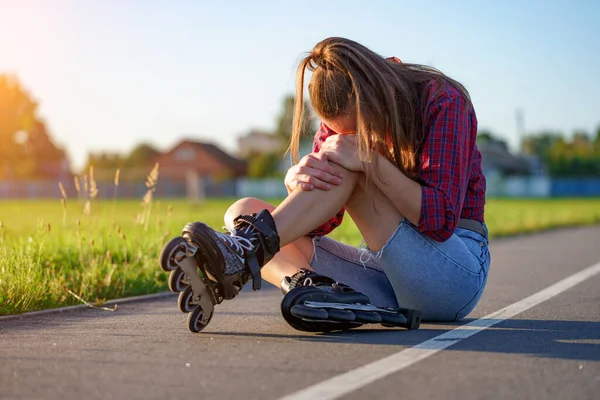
(50, 255)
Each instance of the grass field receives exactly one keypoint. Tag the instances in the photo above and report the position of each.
(50, 256)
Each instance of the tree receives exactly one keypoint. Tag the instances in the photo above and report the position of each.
(133, 166)
(541, 143)
(141, 156)
(26, 148)
(575, 158)
(286, 118)
(485, 136)
(47, 158)
(582, 143)
(263, 165)
(105, 165)
(17, 118)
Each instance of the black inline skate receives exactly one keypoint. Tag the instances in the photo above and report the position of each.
(317, 303)
(208, 267)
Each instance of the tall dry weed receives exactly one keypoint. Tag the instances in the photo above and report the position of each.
(63, 201)
(76, 181)
(116, 181)
(93, 192)
(151, 182)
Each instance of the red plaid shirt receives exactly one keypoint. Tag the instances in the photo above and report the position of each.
(451, 176)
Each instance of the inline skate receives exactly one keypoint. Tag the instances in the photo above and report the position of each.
(317, 303)
(207, 267)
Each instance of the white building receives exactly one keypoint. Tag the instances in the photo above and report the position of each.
(259, 142)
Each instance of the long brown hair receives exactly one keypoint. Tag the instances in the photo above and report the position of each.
(388, 98)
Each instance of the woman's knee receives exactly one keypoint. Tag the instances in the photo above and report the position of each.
(348, 176)
(246, 205)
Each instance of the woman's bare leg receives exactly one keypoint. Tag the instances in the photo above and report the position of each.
(301, 212)
(373, 213)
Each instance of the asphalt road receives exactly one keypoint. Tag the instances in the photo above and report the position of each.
(145, 351)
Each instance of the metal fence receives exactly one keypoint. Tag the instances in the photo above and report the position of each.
(540, 186)
(125, 190)
(274, 188)
(575, 187)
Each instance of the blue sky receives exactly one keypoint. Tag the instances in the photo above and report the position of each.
(109, 74)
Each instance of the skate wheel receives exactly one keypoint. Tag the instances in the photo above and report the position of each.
(392, 319)
(185, 300)
(341, 315)
(194, 320)
(367, 317)
(168, 253)
(177, 280)
(310, 313)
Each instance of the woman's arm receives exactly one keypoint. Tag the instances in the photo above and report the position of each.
(434, 204)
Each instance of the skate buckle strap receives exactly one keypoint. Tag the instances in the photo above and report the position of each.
(263, 222)
(258, 227)
(254, 267)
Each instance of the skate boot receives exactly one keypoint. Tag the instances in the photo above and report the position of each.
(317, 303)
(208, 267)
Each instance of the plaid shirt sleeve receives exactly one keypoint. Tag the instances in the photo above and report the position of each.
(322, 134)
(444, 166)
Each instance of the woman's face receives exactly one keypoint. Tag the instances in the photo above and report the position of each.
(344, 124)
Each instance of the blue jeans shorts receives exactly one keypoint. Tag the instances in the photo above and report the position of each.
(445, 280)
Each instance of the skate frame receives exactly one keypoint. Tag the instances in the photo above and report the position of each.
(346, 306)
(201, 294)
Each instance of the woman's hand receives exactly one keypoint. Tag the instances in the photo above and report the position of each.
(312, 172)
(343, 150)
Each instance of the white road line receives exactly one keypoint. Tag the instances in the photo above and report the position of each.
(352, 380)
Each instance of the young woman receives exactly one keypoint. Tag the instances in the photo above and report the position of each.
(396, 151)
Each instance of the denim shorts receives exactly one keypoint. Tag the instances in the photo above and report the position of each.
(445, 280)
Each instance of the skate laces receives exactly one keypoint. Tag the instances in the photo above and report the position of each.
(306, 277)
(238, 243)
(301, 278)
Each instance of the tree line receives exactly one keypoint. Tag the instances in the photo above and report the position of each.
(27, 150)
(577, 156)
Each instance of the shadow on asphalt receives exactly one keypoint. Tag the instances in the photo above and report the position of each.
(572, 340)
(371, 336)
